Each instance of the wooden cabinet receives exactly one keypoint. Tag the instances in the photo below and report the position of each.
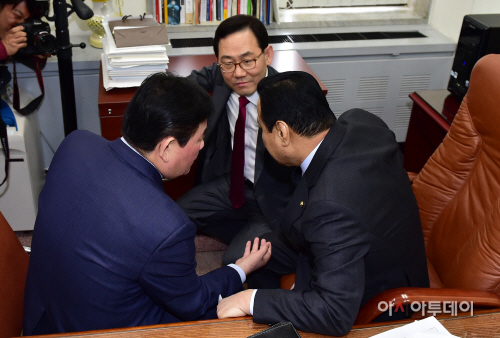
(432, 113)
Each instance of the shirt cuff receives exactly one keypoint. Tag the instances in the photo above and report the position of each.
(240, 271)
(252, 300)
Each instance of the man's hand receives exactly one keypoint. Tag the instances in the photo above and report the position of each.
(236, 305)
(256, 258)
(14, 40)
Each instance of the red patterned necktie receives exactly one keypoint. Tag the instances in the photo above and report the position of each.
(237, 188)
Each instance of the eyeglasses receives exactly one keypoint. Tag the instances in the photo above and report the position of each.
(230, 67)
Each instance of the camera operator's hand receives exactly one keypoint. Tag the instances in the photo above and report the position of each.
(14, 40)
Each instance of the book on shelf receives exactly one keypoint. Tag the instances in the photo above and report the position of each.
(268, 12)
(218, 15)
(234, 7)
(174, 12)
(276, 11)
(158, 11)
(203, 11)
(243, 6)
(196, 12)
(183, 11)
(165, 4)
(189, 11)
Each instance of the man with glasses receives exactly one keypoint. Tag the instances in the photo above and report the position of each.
(242, 190)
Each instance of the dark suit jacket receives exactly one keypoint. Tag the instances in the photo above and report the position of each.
(356, 221)
(272, 184)
(110, 249)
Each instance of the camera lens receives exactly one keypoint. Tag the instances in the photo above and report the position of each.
(45, 42)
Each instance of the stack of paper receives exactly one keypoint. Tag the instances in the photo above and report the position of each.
(128, 66)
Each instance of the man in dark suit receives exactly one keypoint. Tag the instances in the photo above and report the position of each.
(110, 249)
(242, 191)
(353, 214)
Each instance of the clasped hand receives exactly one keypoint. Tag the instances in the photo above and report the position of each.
(239, 304)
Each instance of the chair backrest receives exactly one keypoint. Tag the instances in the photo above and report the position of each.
(13, 270)
(458, 190)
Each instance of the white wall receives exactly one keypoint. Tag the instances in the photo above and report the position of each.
(447, 15)
(80, 27)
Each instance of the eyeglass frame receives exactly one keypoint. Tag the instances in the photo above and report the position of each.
(239, 64)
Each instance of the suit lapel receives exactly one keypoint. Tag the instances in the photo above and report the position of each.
(259, 156)
(215, 124)
(295, 208)
(324, 152)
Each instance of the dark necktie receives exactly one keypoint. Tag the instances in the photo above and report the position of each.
(237, 188)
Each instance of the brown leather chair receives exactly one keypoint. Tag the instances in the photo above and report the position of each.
(13, 269)
(458, 194)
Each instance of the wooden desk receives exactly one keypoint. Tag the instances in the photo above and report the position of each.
(484, 325)
(432, 113)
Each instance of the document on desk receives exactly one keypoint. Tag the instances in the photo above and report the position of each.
(426, 328)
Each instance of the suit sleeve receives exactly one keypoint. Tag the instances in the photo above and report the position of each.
(338, 242)
(3, 52)
(205, 77)
(170, 279)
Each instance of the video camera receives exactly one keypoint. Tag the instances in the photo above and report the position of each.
(40, 41)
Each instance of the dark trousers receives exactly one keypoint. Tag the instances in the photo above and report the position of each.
(209, 207)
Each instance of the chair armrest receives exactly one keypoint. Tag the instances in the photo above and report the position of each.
(287, 281)
(412, 176)
(370, 310)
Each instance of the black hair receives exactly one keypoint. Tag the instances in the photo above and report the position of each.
(35, 8)
(10, 2)
(165, 105)
(296, 99)
(239, 23)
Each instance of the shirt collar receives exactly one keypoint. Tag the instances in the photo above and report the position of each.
(254, 98)
(307, 161)
(125, 141)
